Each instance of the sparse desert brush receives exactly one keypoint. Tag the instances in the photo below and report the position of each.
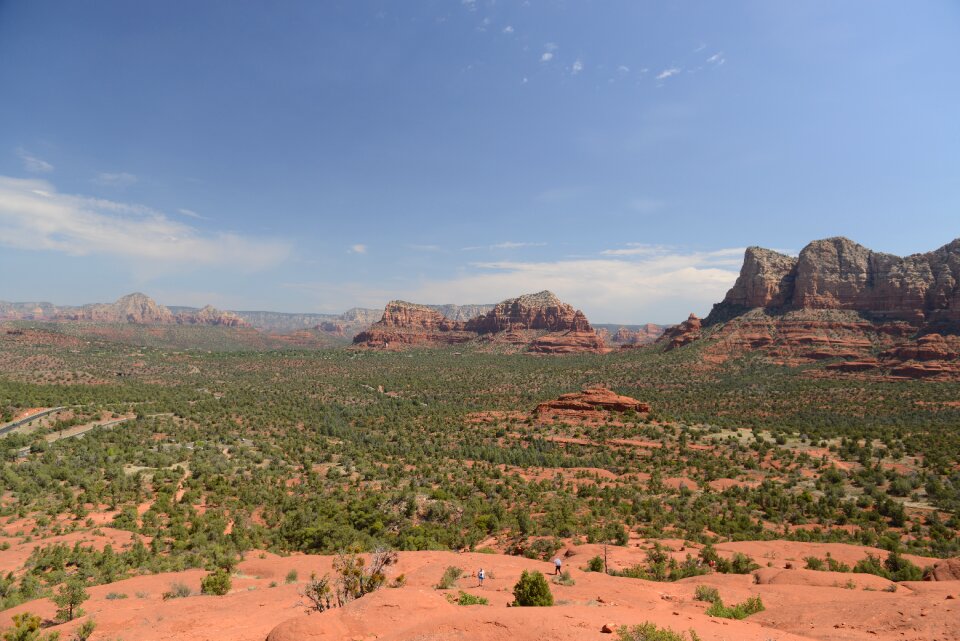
(564, 579)
(738, 611)
(177, 591)
(449, 578)
(706, 593)
(650, 632)
(464, 598)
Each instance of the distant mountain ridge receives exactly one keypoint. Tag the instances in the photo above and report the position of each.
(140, 309)
(136, 308)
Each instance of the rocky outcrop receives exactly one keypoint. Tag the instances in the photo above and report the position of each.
(567, 343)
(540, 311)
(837, 273)
(636, 336)
(210, 315)
(588, 405)
(540, 322)
(766, 280)
(944, 570)
(406, 323)
(133, 308)
(686, 332)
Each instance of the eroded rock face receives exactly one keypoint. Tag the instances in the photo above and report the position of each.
(541, 322)
(210, 315)
(686, 332)
(766, 280)
(567, 342)
(589, 404)
(839, 300)
(406, 323)
(837, 273)
(645, 335)
(133, 308)
(542, 310)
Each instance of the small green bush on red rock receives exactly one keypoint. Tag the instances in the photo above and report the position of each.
(217, 583)
(532, 590)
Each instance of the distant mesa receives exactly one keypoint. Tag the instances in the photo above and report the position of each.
(637, 336)
(540, 322)
(873, 312)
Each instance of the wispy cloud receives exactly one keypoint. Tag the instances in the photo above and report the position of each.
(508, 244)
(623, 69)
(508, 29)
(189, 213)
(33, 164)
(577, 66)
(471, 5)
(357, 249)
(115, 179)
(666, 73)
(717, 58)
(34, 216)
(547, 56)
(426, 248)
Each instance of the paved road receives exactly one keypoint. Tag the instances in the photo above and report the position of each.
(80, 430)
(9, 427)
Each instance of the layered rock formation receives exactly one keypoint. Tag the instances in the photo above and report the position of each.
(406, 323)
(837, 273)
(686, 332)
(210, 315)
(540, 311)
(643, 335)
(587, 406)
(133, 308)
(839, 300)
(541, 321)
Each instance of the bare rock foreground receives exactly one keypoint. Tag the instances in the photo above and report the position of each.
(800, 604)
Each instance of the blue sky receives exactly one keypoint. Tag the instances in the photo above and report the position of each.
(314, 156)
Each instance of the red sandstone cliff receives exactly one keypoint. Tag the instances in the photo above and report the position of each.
(838, 300)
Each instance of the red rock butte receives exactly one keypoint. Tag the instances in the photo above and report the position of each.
(540, 322)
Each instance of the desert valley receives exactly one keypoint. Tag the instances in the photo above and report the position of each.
(786, 467)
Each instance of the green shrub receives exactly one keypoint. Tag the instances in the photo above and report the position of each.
(707, 593)
(449, 578)
(532, 590)
(216, 583)
(738, 611)
(463, 598)
(650, 632)
(177, 591)
(292, 576)
(595, 564)
(813, 563)
(113, 596)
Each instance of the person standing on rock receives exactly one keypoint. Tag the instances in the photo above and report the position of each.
(557, 563)
(481, 576)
